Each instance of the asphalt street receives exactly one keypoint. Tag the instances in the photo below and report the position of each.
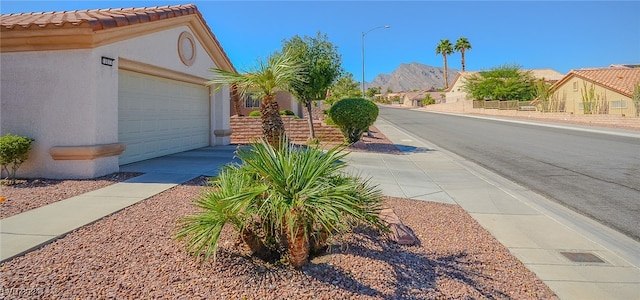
(593, 173)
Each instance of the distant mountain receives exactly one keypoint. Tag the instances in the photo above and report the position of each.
(413, 76)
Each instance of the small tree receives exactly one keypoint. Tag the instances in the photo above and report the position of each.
(322, 66)
(428, 100)
(506, 82)
(344, 87)
(372, 91)
(14, 150)
(353, 116)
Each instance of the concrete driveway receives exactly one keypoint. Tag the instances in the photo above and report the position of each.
(184, 166)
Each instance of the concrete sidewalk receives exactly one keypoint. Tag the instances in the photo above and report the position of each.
(533, 228)
(29, 230)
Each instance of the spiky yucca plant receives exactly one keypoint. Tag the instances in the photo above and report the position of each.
(297, 196)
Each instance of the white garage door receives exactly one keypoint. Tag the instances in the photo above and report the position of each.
(158, 116)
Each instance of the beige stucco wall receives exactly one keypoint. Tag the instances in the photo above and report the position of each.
(161, 49)
(68, 98)
(59, 98)
(456, 93)
(573, 97)
(137, 49)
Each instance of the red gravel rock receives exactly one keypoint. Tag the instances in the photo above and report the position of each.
(131, 255)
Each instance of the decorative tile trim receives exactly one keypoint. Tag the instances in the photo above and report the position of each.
(86, 152)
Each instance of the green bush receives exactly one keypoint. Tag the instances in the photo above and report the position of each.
(327, 120)
(254, 113)
(428, 100)
(353, 116)
(287, 113)
(14, 150)
(283, 201)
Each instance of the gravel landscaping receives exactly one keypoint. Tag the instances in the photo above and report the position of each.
(28, 194)
(131, 255)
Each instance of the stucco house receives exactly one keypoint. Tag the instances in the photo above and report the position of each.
(416, 98)
(614, 86)
(456, 92)
(97, 89)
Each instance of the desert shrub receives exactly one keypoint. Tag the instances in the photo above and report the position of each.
(353, 116)
(283, 201)
(428, 100)
(14, 150)
(254, 113)
(287, 113)
(327, 120)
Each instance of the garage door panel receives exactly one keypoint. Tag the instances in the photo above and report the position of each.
(159, 116)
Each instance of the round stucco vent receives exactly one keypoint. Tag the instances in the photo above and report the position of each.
(187, 48)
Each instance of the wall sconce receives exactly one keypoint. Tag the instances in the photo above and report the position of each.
(107, 61)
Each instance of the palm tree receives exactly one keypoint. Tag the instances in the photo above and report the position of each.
(280, 72)
(284, 198)
(445, 48)
(462, 44)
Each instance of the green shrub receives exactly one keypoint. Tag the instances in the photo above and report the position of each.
(14, 150)
(327, 120)
(353, 116)
(428, 100)
(287, 113)
(283, 201)
(254, 113)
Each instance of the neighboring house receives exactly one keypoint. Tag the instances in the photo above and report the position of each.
(413, 99)
(416, 98)
(97, 89)
(285, 101)
(613, 86)
(456, 92)
(397, 96)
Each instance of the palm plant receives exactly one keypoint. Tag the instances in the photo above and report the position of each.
(462, 44)
(280, 72)
(445, 48)
(282, 198)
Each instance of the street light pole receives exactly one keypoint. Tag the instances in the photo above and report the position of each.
(363, 34)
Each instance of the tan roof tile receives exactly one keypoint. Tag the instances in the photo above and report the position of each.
(622, 80)
(98, 19)
(12, 26)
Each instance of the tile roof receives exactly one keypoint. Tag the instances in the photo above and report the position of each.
(621, 80)
(25, 31)
(549, 75)
(98, 19)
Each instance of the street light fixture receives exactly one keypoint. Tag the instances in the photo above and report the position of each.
(363, 34)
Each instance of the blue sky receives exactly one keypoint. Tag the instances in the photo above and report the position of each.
(560, 35)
